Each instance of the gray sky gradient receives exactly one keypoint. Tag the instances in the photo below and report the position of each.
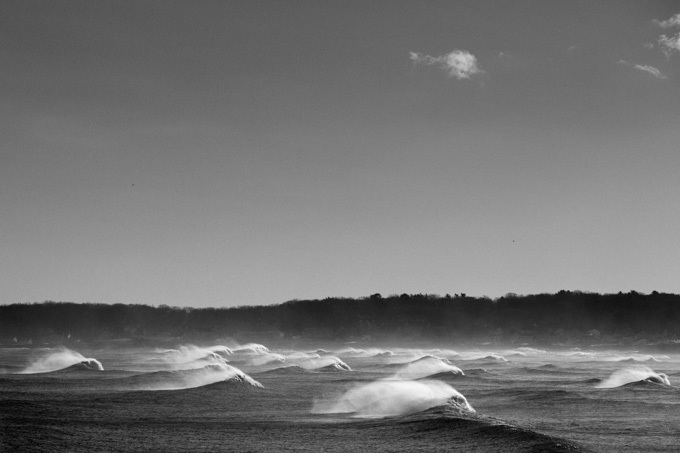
(231, 153)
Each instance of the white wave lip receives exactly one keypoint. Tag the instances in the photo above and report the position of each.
(199, 377)
(633, 374)
(60, 360)
(250, 348)
(183, 358)
(315, 363)
(393, 398)
(427, 366)
(483, 357)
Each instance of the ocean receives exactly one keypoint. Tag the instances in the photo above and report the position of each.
(230, 397)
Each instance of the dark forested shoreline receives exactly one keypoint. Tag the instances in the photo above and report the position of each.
(565, 318)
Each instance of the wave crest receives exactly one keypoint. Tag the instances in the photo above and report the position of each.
(424, 367)
(60, 360)
(192, 378)
(393, 398)
(633, 374)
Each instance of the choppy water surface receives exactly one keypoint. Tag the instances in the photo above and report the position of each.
(253, 398)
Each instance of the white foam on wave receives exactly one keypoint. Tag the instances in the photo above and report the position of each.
(387, 398)
(427, 366)
(253, 348)
(183, 358)
(198, 377)
(400, 357)
(633, 374)
(315, 363)
(525, 351)
(59, 360)
(266, 357)
(643, 358)
(221, 350)
(352, 352)
(483, 357)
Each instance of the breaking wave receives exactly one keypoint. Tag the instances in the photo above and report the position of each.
(485, 358)
(60, 360)
(320, 363)
(393, 398)
(252, 348)
(191, 378)
(631, 375)
(288, 369)
(425, 367)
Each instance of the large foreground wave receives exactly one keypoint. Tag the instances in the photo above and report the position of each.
(60, 360)
(392, 398)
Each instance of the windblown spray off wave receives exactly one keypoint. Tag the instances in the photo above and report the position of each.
(639, 373)
(326, 362)
(392, 398)
(192, 378)
(424, 367)
(61, 360)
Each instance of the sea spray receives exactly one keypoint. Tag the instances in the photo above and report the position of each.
(387, 398)
(317, 363)
(483, 357)
(61, 359)
(192, 378)
(424, 367)
(265, 358)
(633, 374)
(221, 350)
(253, 348)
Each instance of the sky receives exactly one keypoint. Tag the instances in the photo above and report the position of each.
(252, 152)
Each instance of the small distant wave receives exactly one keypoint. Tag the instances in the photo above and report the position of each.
(524, 351)
(288, 369)
(635, 374)
(393, 398)
(476, 372)
(221, 350)
(250, 348)
(311, 362)
(185, 379)
(425, 367)
(485, 358)
(187, 354)
(334, 367)
(296, 355)
(548, 366)
(60, 360)
(531, 351)
(266, 357)
(643, 358)
(322, 363)
(424, 358)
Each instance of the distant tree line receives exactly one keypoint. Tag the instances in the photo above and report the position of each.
(563, 316)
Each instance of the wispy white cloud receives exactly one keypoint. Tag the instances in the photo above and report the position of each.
(674, 21)
(669, 44)
(646, 68)
(460, 64)
(648, 45)
(650, 69)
